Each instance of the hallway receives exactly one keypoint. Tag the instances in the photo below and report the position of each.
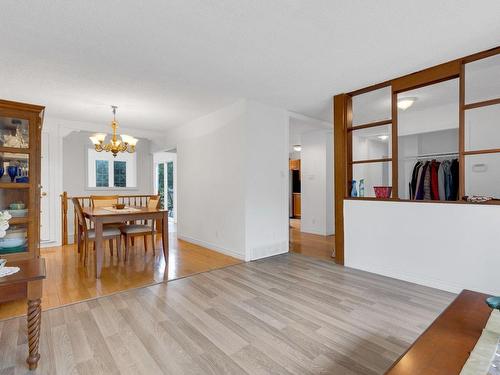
(312, 245)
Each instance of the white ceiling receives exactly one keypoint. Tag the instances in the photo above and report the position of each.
(167, 62)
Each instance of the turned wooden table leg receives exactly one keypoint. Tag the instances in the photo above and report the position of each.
(34, 322)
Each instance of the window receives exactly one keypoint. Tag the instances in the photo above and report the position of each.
(101, 173)
(107, 172)
(120, 173)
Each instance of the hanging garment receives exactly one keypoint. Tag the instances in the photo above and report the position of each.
(434, 180)
(413, 182)
(442, 193)
(427, 182)
(455, 180)
(420, 181)
(448, 181)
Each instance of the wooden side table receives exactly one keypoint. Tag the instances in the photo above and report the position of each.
(27, 283)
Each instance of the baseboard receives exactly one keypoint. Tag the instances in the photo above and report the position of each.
(211, 246)
(421, 279)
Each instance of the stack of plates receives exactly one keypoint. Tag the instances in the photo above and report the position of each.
(18, 213)
(14, 240)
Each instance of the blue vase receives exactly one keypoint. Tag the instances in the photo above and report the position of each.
(354, 192)
(12, 171)
(2, 170)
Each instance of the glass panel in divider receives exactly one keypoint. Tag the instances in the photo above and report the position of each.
(372, 106)
(14, 168)
(14, 132)
(482, 175)
(372, 143)
(482, 80)
(428, 119)
(374, 175)
(482, 128)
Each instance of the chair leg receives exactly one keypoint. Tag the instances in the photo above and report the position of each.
(111, 246)
(127, 247)
(85, 251)
(133, 242)
(153, 242)
(119, 246)
(145, 244)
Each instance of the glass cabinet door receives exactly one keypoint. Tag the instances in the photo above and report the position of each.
(14, 132)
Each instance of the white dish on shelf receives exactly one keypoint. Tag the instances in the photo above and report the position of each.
(18, 213)
(7, 243)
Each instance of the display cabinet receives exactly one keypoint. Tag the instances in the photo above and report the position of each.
(20, 155)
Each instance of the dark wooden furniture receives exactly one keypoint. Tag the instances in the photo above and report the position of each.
(445, 346)
(20, 148)
(101, 216)
(27, 283)
(344, 128)
(297, 208)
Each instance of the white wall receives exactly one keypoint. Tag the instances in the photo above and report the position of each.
(211, 188)
(446, 246)
(266, 173)
(233, 181)
(317, 182)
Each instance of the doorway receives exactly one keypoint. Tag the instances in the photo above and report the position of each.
(166, 182)
(310, 155)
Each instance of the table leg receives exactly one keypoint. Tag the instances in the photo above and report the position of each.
(34, 322)
(164, 235)
(99, 251)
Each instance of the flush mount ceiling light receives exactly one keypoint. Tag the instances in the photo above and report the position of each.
(126, 143)
(383, 137)
(297, 148)
(405, 103)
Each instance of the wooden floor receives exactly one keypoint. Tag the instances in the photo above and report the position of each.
(68, 281)
(288, 314)
(310, 244)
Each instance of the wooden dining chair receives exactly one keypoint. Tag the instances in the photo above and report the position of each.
(103, 200)
(134, 230)
(86, 235)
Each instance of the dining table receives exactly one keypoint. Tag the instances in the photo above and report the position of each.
(99, 216)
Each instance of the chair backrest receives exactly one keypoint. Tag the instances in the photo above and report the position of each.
(79, 213)
(103, 200)
(154, 201)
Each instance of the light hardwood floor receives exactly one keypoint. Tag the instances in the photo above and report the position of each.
(310, 244)
(288, 314)
(69, 281)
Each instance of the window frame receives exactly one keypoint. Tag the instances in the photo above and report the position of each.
(132, 168)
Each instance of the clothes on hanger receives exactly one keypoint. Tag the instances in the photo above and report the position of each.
(434, 180)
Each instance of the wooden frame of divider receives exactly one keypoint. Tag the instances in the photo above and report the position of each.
(342, 123)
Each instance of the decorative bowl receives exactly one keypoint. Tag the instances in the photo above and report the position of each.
(18, 213)
(22, 180)
(6, 243)
(119, 206)
(17, 206)
(383, 191)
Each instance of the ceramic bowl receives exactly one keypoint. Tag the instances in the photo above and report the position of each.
(18, 213)
(17, 206)
(119, 206)
(12, 242)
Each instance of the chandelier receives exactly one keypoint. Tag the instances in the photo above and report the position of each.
(126, 143)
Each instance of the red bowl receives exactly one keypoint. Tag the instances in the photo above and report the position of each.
(383, 191)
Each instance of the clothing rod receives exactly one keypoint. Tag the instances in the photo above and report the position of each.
(430, 156)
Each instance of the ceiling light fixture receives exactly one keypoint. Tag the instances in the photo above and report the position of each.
(405, 103)
(297, 148)
(383, 137)
(126, 143)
